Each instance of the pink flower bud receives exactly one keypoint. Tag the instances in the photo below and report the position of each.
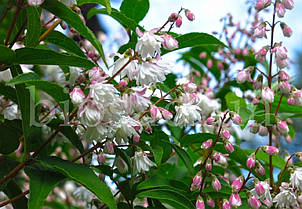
(203, 55)
(260, 31)
(210, 121)
(109, 147)
(155, 113)
(196, 183)
(250, 163)
(287, 31)
(167, 115)
(237, 119)
(35, 2)
(259, 188)
(220, 66)
(226, 134)
(288, 4)
(207, 144)
(209, 64)
(209, 166)
(178, 21)
(237, 184)
(216, 184)
(77, 96)
(259, 169)
(189, 15)
(200, 203)
(122, 84)
(243, 76)
(253, 202)
(228, 147)
(226, 204)
(263, 131)
(235, 200)
(136, 139)
(259, 5)
(282, 127)
(169, 42)
(271, 150)
(210, 202)
(291, 101)
(288, 139)
(254, 128)
(283, 76)
(101, 159)
(282, 63)
(245, 52)
(173, 17)
(280, 10)
(267, 95)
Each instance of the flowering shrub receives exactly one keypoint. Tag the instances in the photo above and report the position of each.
(133, 134)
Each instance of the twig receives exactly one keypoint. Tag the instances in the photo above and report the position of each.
(120, 70)
(49, 30)
(10, 30)
(14, 198)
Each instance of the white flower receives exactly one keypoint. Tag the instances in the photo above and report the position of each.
(148, 43)
(267, 95)
(208, 105)
(285, 199)
(127, 127)
(77, 96)
(5, 75)
(296, 178)
(68, 2)
(266, 197)
(131, 70)
(11, 112)
(141, 162)
(104, 94)
(35, 2)
(101, 131)
(152, 72)
(187, 114)
(89, 114)
(138, 100)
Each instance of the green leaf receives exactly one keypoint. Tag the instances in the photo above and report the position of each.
(83, 175)
(33, 27)
(73, 19)
(158, 154)
(24, 102)
(176, 200)
(189, 139)
(41, 182)
(68, 132)
(268, 119)
(184, 157)
(7, 55)
(234, 103)
(12, 190)
(59, 39)
(11, 131)
(157, 181)
(195, 39)
(125, 21)
(56, 91)
(6, 164)
(50, 57)
(278, 161)
(8, 92)
(105, 3)
(135, 9)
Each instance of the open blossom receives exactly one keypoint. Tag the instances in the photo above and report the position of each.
(296, 178)
(104, 94)
(288, 4)
(35, 2)
(148, 43)
(260, 31)
(284, 87)
(152, 72)
(280, 10)
(127, 127)
(282, 63)
(244, 75)
(90, 114)
(267, 95)
(235, 200)
(169, 42)
(281, 53)
(261, 54)
(226, 204)
(207, 105)
(131, 70)
(285, 199)
(187, 114)
(141, 162)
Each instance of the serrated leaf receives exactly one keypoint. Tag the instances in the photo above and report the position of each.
(125, 21)
(195, 39)
(7, 55)
(56, 91)
(135, 9)
(184, 157)
(50, 57)
(169, 196)
(73, 19)
(83, 175)
(33, 27)
(41, 182)
(189, 139)
(59, 39)
(105, 3)
(11, 131)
